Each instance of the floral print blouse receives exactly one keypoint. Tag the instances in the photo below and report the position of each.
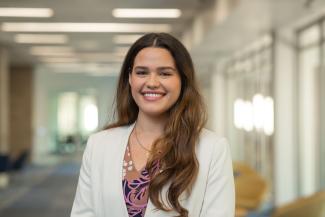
(135, 186)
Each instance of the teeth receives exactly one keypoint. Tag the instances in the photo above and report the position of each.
(152, 94)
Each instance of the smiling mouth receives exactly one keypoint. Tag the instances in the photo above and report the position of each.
(153, 95)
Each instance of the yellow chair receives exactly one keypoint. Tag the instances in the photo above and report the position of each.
(250, 187)
(312, 206)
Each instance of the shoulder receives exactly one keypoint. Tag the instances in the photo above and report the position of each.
(105, 137)
(210, 143)
(106, 141)
(210, 138)
(116, 131)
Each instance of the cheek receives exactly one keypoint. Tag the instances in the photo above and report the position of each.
(133, 83)
(133, 91)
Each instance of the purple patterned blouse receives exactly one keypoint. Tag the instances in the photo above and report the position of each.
(135, 186)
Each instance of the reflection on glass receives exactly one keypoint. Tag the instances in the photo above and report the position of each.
(67, 113)
(257, 114)
(89, 114)
(268, 108)
(258, 107)
(248, 116)
(238, 120)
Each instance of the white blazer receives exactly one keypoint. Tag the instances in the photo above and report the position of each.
(100, 194)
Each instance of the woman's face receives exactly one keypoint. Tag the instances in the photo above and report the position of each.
(154, 80)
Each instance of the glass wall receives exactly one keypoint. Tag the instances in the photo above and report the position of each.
(250, 118)
(76, 117)
(311, 107)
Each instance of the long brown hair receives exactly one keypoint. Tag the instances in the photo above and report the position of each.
(175, 150)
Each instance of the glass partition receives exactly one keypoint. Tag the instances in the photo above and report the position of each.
(311, 108)
(76, 119)
(250, 119)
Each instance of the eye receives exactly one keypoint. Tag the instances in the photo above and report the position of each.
(141, 72)
(165, 73)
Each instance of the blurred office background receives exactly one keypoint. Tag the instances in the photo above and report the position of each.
(260, 64)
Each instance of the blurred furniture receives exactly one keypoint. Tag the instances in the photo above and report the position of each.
(4, 167)
(21, 160)
(4, 163)
(8, 163)
(249, 185)
(312, 206)
(250, 188)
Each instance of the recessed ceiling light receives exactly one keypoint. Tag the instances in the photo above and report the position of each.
(65, 65)
(84, 27)
(88, 45)
(52, 51)
(41, 39)
(125, 39)
(26, 12)
(89, 68)
(59, 59)
(146, 13)
(100, 57)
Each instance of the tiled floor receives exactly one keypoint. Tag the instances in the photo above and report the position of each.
(43, 191)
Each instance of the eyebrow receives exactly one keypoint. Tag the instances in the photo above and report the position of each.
(160, 68)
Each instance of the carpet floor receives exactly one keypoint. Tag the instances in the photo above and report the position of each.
(51, 197)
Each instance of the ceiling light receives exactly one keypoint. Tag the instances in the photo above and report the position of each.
(59, 59)
(52, 51)
(100, 57)
(89, 68)
(84, 27)
(146, 13)
(40, 39)
(88, 45)
(125, 39)
(66, 65)
(26, 12)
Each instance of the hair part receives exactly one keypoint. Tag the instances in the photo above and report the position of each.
(175, 150)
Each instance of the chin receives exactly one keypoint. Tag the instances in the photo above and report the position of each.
(154, 113)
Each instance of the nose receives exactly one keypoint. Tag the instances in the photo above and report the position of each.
(153, 81)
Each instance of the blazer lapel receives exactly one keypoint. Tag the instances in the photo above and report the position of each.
(124, 142)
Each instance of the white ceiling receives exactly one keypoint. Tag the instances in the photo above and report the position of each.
(93, 11)
(249, 20)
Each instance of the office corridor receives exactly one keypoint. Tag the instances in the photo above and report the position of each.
(47, 191)
(260, 67)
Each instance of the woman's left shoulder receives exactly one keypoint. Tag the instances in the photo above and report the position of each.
(211, 141)
(210, 136)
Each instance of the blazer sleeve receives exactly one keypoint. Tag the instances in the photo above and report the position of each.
(83, 202)
(219, 199)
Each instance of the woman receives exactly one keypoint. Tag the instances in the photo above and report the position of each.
(156, 160)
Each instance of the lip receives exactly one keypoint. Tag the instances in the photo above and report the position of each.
(152, 95)
(153, 92)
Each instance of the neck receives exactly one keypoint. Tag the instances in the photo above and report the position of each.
(151, 125)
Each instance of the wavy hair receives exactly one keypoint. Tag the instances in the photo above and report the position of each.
(175, 150)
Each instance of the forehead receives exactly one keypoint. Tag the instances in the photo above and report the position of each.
(154, 56)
